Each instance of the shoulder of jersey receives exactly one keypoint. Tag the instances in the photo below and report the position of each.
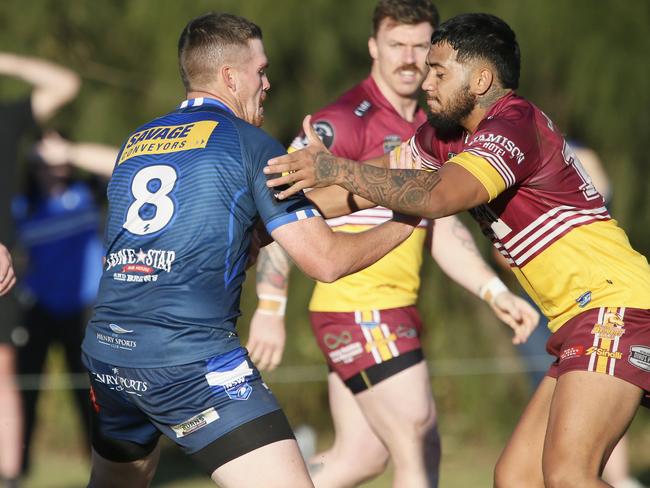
(347, 113)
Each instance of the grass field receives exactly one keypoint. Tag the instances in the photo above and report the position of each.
(59, 457)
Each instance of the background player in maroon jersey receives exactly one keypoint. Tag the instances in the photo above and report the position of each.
(533, 199)
(366, 387)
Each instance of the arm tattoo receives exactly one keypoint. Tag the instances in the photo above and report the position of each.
(403, 190)
(464, 237)
(273, 266)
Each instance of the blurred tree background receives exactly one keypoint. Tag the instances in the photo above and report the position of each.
(585, 62)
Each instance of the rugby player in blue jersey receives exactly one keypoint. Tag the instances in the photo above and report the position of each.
(162, 351)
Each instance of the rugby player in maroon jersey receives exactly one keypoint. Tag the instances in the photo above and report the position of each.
(532, 198)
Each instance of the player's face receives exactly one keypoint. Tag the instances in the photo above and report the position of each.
(447, 88)
(399, 52)
(254, 84)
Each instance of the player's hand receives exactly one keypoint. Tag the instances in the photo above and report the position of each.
(402, 158)
(7, 276)
(266, 340)
(53, 149)
(517, 313)
(310, 167)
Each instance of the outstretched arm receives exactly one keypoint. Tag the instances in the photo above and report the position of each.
(54, 85)
(456, 253)
(266, 336)
(7, 276)
(94, 158)
(414, 192)
(326, 256)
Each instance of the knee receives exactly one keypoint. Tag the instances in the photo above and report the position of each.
(511, 475)
(370, 466)
(564, 474)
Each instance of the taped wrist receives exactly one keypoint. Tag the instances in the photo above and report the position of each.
(491, 289)
(271, 304)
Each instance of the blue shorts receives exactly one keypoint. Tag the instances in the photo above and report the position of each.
(193, 404)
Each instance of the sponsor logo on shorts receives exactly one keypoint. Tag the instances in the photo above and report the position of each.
(195, 423)
(599, 351)
(233, 382)
(611, 328)
(119, 383)
(584, 299)
(346, 354)
(332, 341)
(405, 332)
(640, 357)
(114, 341)
(572, 352)
(119, 330)
(607, 331)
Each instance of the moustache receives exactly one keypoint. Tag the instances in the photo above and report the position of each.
(409, 67)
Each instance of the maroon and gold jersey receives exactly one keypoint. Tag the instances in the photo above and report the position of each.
(543, 215)
(363, 125)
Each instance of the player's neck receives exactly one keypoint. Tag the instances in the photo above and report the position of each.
(404, 106)
(482, 108)
(208, 94)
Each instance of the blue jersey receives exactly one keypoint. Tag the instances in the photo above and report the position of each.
(185, 194)
(60, 233)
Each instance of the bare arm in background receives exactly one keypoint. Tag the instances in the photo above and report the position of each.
(7, 276)
(98, 159)
(454, 249)
(53, 85)
(266, 335)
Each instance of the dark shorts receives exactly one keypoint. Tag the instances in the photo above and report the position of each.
(364, 348)
(197, 406)
(607, 340)
(9, 318)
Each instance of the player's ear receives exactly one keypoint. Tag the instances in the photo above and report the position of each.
(372, 48)
(228, 76)
(481, 79)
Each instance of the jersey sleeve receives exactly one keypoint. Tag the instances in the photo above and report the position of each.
(273, 212)
(339, 129)
(426, 146)
(500, 154)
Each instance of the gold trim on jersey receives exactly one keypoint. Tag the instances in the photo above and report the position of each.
(601, 269)
(483, 171)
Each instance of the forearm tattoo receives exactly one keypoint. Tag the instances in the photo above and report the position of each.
(273, 265)
(463, 236)
(404, 190)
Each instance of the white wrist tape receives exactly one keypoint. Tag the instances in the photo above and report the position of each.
(491, 289)
(271, 304)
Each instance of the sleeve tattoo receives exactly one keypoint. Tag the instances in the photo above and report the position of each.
(273, 265)
(403, 190)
